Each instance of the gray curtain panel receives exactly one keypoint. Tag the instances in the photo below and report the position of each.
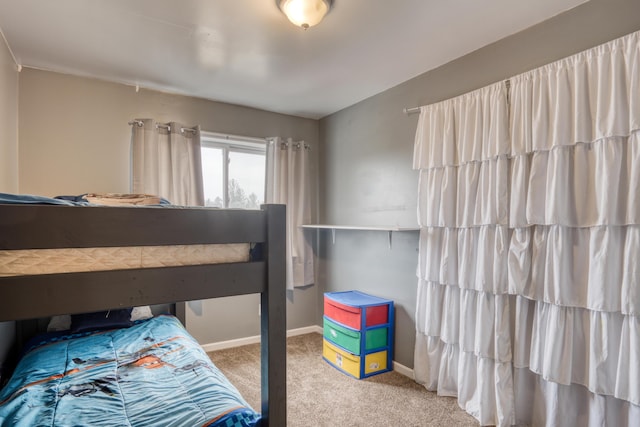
(167, 162)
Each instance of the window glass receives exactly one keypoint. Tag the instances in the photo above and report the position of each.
(246, 179)
(212, 176)
(233, 172)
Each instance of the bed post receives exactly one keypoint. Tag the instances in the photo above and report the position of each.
(274, 321)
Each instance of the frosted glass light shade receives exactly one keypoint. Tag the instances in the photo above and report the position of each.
(305, 13)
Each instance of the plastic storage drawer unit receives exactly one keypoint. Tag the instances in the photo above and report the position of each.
(358, 333)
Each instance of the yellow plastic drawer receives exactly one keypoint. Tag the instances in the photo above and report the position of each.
(375, 362)
(351, 364)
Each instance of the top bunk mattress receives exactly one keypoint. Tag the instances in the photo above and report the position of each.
(19, 262)
(74, 260)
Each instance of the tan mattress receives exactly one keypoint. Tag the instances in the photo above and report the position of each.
(50, 261)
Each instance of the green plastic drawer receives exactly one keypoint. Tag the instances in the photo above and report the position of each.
(345, 338)
(376, 338)
(350, 339)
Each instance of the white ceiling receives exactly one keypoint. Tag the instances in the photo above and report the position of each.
(246, 52)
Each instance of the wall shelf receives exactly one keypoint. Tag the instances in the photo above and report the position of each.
(389, 229)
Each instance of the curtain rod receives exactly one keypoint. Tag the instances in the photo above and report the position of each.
(409, 111)
(161, 125)
(226, 136)
(414, 110)
(284, 145)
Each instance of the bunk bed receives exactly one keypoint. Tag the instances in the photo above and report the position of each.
(37, 227)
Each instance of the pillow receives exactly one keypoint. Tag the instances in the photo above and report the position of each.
(59, 323)
(63, 322)
(110, 319)
(141, 313)
(119, 199)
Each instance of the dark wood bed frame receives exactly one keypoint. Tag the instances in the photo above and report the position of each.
(54, 226)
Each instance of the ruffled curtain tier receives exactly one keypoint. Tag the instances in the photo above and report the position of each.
(479, 117)
(528, 300)
(595, 268)
(583, 98)
(580, 185)
(543, 402)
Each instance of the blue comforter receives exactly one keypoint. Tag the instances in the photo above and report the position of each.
(30, 199)
(151, 374)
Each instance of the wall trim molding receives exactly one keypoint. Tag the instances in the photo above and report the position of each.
(221, 345)
(403, 370)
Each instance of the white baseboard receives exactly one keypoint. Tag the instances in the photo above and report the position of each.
(221, 345)
(306, 330)
(256, 339)
(403, 370)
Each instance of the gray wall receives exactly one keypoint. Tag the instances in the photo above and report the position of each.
(365, 164)
(74, 138)
(8, 152)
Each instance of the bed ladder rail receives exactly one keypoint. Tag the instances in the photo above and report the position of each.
(274, 321)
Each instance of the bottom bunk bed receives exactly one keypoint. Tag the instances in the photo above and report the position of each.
(151, 372)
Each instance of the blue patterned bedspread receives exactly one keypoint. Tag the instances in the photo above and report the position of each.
(151, 374)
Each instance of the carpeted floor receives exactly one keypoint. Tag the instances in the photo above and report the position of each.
(319, 395)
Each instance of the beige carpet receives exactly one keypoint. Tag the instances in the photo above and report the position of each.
(320, 395)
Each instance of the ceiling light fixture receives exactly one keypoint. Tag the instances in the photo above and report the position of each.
(305, 13)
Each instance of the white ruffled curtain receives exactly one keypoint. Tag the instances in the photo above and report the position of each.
(528, 304)
(166, 161)
(287, 182)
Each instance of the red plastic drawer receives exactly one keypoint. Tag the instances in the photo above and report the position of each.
(377, 315)
(344, 314)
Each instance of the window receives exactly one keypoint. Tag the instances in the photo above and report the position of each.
(233, 171)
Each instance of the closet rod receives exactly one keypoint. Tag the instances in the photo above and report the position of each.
(409, 111)
(414, 110)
